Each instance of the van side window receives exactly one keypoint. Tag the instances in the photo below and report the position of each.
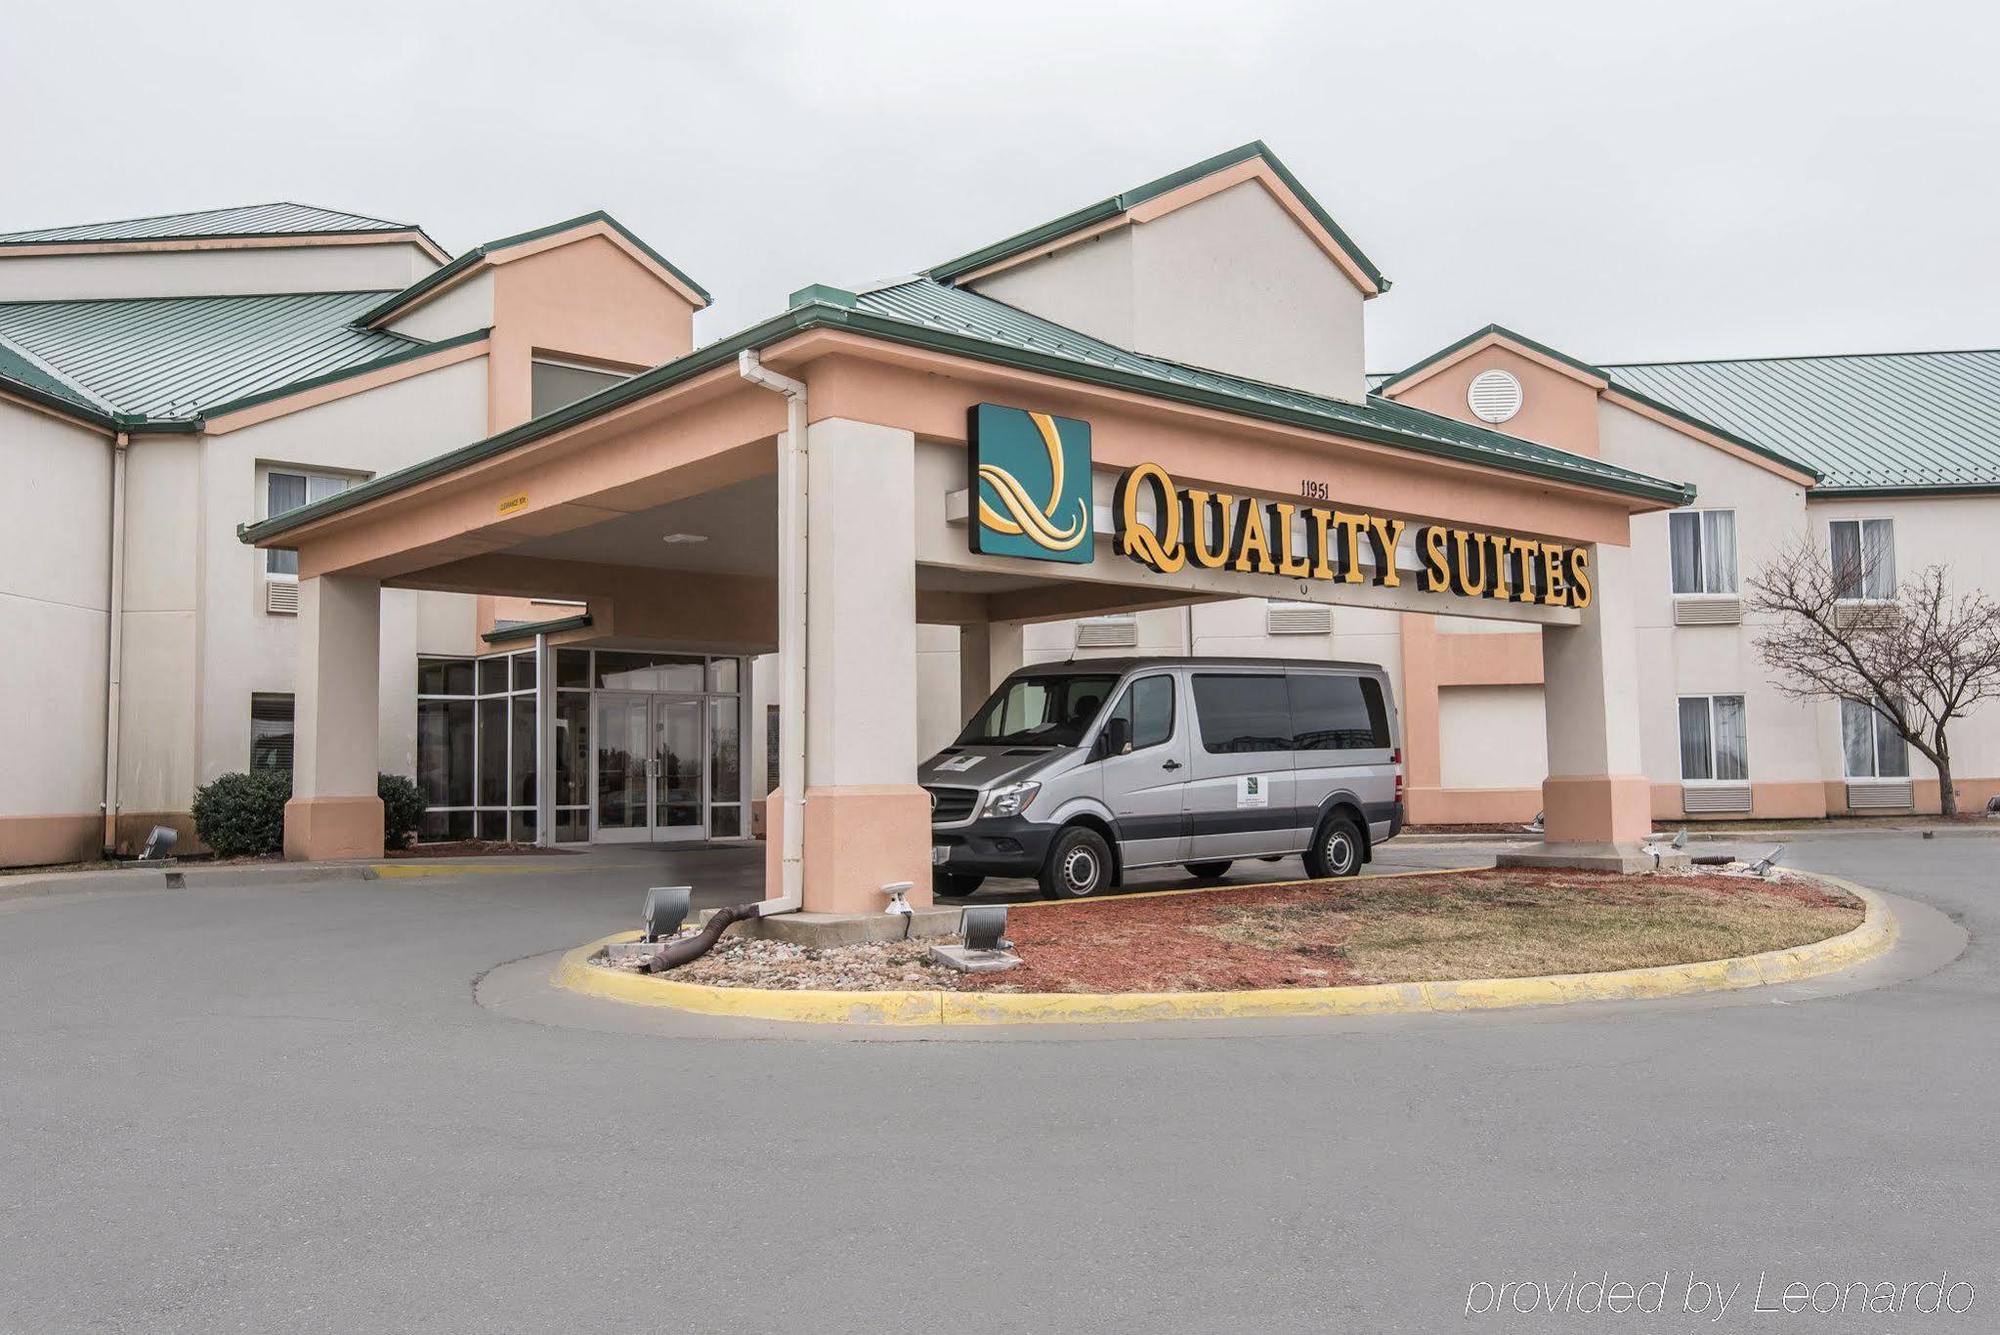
(1242, 713)
(1148, 710)
(1334, 713)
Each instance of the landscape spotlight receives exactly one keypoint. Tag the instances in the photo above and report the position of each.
(666, 910)
(159, 844)
(1763, 865)
(985, 927)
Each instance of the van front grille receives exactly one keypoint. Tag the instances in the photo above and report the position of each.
(949, 805)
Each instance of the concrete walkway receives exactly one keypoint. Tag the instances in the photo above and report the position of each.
(281, 1108)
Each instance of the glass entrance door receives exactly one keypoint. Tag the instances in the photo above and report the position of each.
(652, 769)
(680, 768)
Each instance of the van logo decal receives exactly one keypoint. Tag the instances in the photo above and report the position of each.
(1030, 479)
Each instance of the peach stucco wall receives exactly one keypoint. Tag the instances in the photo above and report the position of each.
(1556, 408)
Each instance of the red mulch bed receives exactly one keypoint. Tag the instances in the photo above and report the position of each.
(1152, 943)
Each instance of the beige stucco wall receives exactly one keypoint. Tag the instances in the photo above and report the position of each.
(1229, 282)
(462, 309)
(160, 715)
(54, 573)
(245, 648)
(1708, 660)
(1494, 737)
(1956, 532)
(192, 273)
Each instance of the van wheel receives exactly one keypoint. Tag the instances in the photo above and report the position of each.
(1079, 865)
(1336, 849)
(1207, 871)
(956, 884)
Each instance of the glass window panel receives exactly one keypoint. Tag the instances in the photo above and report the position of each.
(772, 747)
(723, 674)
(1857, 739)
(619, 671)
(524, 671)
(271, 734)
(1334, 713)
(572, 748)
(444, 752)
(491, 825)
(523, 827)
(1147, 706)
(1239, 714)
(1684, 536)
(1844, 547)
(573, 825)
(492, 676)
(552, 385)
(493, 752)
(1732, 739)
(1892, 753)
(521, 787)
(1718, 551)
(282, 492)
(573, 667)
(1696, 763)
(444, 676)
(281, 561)
(319, 486)
(437, 825)
(725, 822)
(725, 743)
(1878, 553)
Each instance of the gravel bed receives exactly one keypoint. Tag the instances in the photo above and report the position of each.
(739, 961)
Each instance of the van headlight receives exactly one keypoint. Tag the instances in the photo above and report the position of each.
(1010, 799)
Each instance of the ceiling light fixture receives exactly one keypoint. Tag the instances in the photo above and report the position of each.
(677, 538)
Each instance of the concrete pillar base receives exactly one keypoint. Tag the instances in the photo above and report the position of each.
(318, 828)
(1626, 859)
(858, 839)
(1596, 809)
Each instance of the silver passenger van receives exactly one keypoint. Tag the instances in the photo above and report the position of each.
(1076, 773)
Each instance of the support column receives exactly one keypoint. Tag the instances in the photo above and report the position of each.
(334, 811)
(987, 652)
(1596, 802)
(867, 821)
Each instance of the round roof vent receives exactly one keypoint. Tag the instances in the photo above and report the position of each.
(1494, 396)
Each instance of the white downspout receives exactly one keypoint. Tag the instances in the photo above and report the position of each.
(115, 641)
(792, 565)
(545, 742)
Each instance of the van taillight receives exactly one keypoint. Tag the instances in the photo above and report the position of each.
(1396, 759)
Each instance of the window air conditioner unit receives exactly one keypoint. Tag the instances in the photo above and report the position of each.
(1726, 799)
(1122, 633)
(1708, 611)
(1298, 619)
(1896, 796)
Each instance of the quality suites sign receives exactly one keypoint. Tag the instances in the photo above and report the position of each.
(1030, 497)
(1217, 531)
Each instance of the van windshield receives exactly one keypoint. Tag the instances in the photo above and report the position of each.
(1039, 711)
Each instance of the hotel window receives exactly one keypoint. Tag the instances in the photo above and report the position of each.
(1864, 558)
(271, 734)
(1704, 550)
(476, 746)
(287, 489)
(1873, 748)
(1715, 744)
(554, 384)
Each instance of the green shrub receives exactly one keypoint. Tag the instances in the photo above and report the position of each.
(403, 808)
(243, 814)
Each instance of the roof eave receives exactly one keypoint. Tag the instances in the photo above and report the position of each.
(817, 315)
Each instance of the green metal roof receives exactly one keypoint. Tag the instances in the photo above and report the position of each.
(1693, 418)
(249, 221)
(167, 360)
(952, 270)
(922, 313)
(1870, 424)
(437, 277)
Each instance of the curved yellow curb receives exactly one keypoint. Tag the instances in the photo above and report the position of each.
(1875, 935)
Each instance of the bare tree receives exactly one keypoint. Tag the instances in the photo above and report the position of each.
(1920, 660)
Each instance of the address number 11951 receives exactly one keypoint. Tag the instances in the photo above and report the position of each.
(1313, 491)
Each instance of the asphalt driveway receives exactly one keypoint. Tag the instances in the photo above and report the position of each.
(283, 1108)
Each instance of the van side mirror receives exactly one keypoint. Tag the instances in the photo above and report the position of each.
(1116, 737)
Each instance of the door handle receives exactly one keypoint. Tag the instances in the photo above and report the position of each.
(1170, 764)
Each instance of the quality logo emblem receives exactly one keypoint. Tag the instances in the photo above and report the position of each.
(1030, 480)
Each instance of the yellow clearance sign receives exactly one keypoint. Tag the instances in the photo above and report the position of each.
(1218, 531)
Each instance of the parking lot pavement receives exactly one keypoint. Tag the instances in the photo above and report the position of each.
(282, 1109)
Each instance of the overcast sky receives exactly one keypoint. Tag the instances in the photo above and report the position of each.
(1626, 182)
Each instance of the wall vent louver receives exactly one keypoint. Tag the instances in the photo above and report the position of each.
(1494, 396)
(281, 597)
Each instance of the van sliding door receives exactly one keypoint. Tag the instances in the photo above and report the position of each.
(1240, 798)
